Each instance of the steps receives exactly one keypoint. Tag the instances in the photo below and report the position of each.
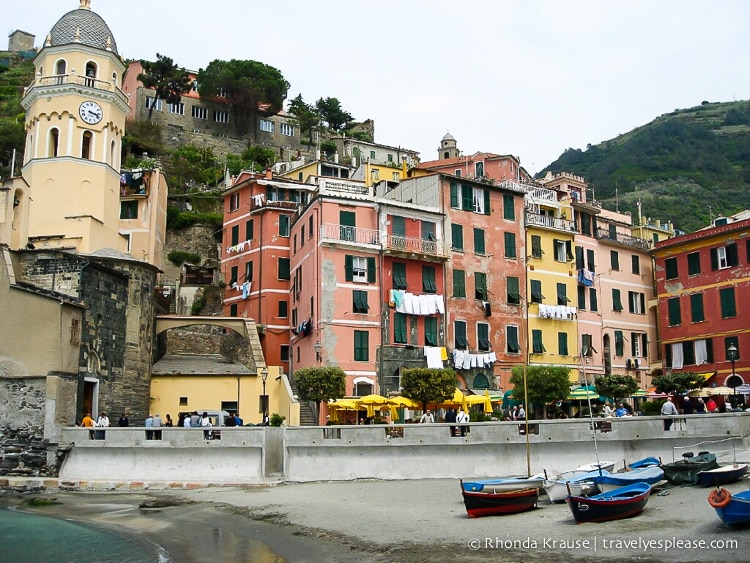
(306, 413)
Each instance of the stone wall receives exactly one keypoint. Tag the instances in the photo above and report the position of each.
(23, 450)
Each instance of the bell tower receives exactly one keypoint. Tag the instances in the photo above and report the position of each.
(75, 121)
(448, 148)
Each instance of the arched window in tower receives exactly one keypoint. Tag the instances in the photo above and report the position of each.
(90, 74)
(114, 78)
(88, 137)
(53, 142)
(112, 154)
(61, 69)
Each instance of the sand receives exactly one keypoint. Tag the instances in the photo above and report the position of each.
(412, 521)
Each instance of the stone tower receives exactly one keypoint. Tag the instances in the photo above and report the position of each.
(75, 120)
(448, 148)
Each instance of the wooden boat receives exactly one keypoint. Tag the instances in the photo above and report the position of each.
(504, 483)
(489, 502)
(583, 484)
(685, 471)
(614, 505)
(722, 475)
(648, 474)
(733, 510)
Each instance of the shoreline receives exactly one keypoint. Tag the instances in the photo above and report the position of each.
(379, 521)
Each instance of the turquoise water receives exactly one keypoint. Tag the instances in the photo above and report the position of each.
(29, 537)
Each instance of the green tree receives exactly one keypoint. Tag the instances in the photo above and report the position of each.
(188, 166)
(544, 384)
(250, 88)
(168, 81)
(318, 384)
(307, 116)
(616, 386)
(677, 383)
(428, 385)
(333, 114)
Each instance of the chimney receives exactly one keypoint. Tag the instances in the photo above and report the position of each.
(269, 174)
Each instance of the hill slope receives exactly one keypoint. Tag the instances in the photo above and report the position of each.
(687, 166)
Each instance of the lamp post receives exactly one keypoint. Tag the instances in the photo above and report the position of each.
(732, 354)
(264, 400)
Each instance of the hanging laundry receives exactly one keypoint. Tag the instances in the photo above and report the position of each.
(434, 357)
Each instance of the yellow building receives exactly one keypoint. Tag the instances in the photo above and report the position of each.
(552, 321)
(69, 194)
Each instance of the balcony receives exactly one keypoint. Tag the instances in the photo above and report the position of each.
(342, 187)
(549, 222)
(66, 80)
(332, 233)
(605, 233)
(405, 246)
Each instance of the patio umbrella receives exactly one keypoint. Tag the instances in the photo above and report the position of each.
(652, 393)
(403, 402)
(723, 390)
(483, 400)
(582, 394)
(373, 403)
(639, 393)
(699, 393)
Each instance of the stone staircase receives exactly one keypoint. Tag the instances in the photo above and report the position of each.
(306, 414)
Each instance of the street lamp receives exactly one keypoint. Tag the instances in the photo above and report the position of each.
(732, 354)
(264, 400)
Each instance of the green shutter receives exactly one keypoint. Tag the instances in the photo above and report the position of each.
(480, 285)
(399, 328)
(370, 269)
(594, 304)
(510, 245)
(467, 198)
(616, 301)
(619, 343)
(457, 236)
(728, 308)
(514, 294)
(670, 266)
(399, 275)
(509, 209)
(459, 283)
(284, 269)
(479, 241)
(562, 343)
(235, 235)
(428, 279)
(673, 307)
(430, 331)
(537, 342)
(361, 346)
(486, 202)
(454, 195)
(348, 267)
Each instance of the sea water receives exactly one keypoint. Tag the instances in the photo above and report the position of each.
(36, 538)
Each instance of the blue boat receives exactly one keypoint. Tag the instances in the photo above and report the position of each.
(732, 509)
(645, 462)
(614, 505)
(503, 484)
(647, 474)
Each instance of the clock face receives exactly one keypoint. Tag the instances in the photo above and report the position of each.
(91, 112)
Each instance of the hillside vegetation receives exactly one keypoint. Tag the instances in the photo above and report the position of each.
(688, 166)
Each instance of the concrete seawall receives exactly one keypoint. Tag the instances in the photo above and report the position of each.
(410, 451)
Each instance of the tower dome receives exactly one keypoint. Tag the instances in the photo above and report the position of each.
(83, 26)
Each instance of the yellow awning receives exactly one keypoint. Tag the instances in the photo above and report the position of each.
(707, 375)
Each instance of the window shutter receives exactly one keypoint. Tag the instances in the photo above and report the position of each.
(562, 343)
(509, 211)
(714, 259)
(487, 202)
(457, 236)
(371, 270)
(454, 195)
(349, 267)
(732, 259)
(619, 343)
(467, 198)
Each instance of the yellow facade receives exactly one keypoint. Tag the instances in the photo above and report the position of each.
(173, 394)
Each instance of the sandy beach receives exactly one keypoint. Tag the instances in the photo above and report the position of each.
(414, 521)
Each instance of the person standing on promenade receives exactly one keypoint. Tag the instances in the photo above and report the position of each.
(463, 418)
(149, 424)
(711, 405)
(88, 422)
(195, 420)
(101, 422)
(266, 420)
(450, 416)
(427, 417)
(687, 405)
(206, 424)
(123, 422)
(168, 423)
(668, 409)
(521, 414)
(156, 423)
(700, 406)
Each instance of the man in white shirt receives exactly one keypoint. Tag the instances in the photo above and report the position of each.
(427, 417)
(668, 409)
(463, 417)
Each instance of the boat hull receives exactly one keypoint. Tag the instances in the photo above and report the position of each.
(557, 491)
(503, 484)
(685, 472)
(624, 502)
(722, 475)
(650, 475)
(737, 512)
(479, 503)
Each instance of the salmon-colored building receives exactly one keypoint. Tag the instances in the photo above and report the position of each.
(702, 279)
(255, 256)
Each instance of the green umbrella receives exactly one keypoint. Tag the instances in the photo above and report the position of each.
(582, 394)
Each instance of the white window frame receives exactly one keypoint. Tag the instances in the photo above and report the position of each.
(359, 269)
(637, 339)
(155, 102)
(177, 109)
(721, 254)
(221, 116)
(560, 251)
(266, 125)
(199, 112)
(478, 199)
(286, 129)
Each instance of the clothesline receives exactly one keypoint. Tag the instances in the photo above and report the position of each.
(411, 304)
(467, 360)
(239, 247)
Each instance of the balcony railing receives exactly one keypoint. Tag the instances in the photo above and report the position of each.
(327, 185)
(603, 233)
(542, 194)
(550, 222)
(77, 80)
(400, 243)
(344, 233)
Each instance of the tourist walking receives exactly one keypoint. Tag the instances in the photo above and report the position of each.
(668, 409)
(427, 417)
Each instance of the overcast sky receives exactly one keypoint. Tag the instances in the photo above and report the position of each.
(523, 77)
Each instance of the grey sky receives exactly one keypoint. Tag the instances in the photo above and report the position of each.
(529, 78)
